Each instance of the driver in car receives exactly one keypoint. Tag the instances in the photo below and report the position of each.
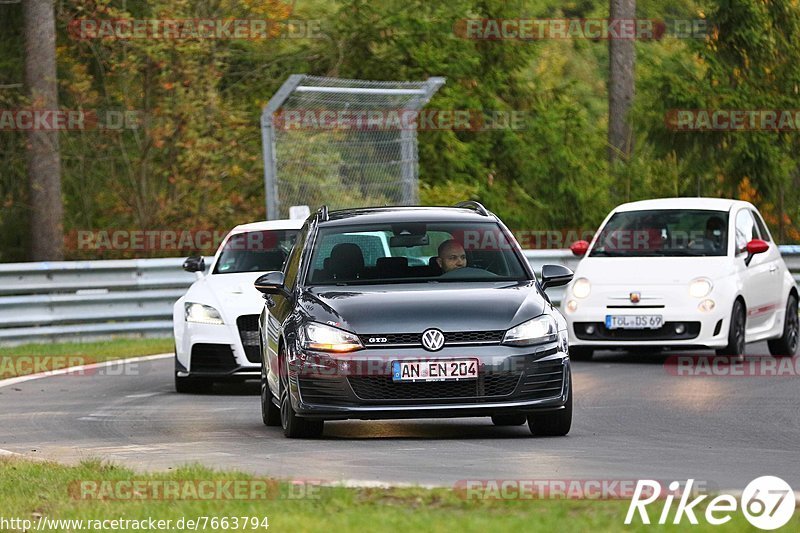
(713, 237)
(451, 256)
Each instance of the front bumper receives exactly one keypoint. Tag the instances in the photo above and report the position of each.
(699, 329)
(359, 385)
(218, 351)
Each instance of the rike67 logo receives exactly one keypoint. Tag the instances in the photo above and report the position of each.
(767, 502)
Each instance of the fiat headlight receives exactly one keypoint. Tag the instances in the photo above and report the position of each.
(536, 331)
(201, 314)
(700, 287)
(581, 288)
(322, 338)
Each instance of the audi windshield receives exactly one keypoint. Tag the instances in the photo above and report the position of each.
(255, 251)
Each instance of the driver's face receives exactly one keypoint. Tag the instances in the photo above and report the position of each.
(453, 257)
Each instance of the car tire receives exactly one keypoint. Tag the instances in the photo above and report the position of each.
(509, 420)
(580, 353)
(736, 331)
(553, 423)
(270, 413)
(786, 344)
(295, 427)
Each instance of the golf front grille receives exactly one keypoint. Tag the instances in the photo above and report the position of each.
(543, 379)
(384, 388)
(451, 338)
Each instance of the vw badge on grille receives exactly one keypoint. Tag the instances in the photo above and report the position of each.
(432, 340)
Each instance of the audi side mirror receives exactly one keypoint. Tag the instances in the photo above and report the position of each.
(195, 263)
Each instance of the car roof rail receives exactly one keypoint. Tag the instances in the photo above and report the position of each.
(322, 213)
(472, 204)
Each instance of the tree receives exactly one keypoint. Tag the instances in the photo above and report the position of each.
(622, 60)
(44, 161)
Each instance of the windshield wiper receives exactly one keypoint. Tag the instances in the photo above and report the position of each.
(683, 253)
(609, 253)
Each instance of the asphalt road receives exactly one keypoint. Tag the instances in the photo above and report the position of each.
(633, 419)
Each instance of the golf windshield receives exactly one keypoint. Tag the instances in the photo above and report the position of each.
(414, 252)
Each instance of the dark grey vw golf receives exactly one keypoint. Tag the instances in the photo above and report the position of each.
(412, 312)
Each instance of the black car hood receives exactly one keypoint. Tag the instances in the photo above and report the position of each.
(413, 308)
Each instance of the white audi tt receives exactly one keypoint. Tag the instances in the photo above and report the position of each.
(681, 273)
(216, 321)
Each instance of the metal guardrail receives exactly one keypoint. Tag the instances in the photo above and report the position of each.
(72, 300)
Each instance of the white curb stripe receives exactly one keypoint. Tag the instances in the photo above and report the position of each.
(71, 370)
(60, 372)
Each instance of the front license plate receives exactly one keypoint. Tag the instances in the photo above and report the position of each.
(634, 321)
(441, 370)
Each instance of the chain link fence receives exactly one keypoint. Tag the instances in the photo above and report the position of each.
(343, 143)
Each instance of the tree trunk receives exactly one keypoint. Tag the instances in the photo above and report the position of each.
(622, 60)
(44, 161)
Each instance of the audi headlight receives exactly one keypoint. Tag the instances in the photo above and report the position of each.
(201, 314)
(700, 287)
(581, 288)
(322, 338)
(536, 331)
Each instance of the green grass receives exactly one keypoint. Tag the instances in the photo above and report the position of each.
(31, 358)
(30, 489)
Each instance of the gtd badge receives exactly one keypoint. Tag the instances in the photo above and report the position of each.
(432, 340)
(377, 340)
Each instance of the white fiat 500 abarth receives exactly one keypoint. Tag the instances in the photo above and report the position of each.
(687, 273)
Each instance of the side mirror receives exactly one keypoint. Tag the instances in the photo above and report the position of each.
(579, 248)
(195, 263)
(270, 283)
(555, 276)
(756, 246)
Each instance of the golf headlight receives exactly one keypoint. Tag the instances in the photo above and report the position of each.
(536, 331)
(201, 314)
(581, 288)
(699, 287)
(322, 338)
